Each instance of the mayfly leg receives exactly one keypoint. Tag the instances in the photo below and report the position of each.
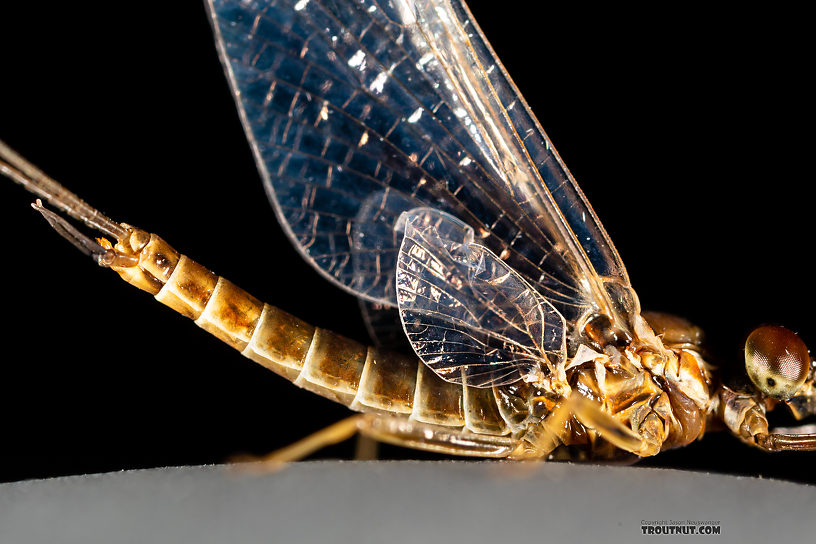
(537, 444)
(393, 430)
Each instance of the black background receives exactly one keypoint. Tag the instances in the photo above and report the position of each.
(688, 132)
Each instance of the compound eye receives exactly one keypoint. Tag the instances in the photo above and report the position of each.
(777, 361)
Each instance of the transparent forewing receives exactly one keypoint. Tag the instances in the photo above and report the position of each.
(467, 314)
(360, 110)
(383, 325)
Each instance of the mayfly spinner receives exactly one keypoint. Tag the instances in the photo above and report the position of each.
(405, 166)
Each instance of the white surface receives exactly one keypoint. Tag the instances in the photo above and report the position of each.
(392, 502)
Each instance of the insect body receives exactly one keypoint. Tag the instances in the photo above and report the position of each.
(528, 385)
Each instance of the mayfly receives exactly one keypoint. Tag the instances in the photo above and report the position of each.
(478, 213)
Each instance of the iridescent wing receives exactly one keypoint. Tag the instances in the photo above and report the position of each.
(469, 316)
(358, 111)
(384, 326)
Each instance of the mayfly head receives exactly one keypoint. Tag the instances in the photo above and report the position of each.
(777, 361)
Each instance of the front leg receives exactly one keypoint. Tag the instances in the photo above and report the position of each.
(746, 419)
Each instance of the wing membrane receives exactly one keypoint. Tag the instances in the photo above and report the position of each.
(467, 314)
(360, 110)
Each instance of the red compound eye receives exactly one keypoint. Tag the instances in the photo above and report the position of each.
(777, 361)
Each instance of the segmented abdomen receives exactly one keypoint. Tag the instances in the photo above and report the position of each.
(361, 377)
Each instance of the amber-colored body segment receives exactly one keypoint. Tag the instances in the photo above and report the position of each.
(364, 378)
(368, 379)
(639, 398)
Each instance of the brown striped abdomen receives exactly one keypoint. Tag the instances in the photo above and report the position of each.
(364, 378)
